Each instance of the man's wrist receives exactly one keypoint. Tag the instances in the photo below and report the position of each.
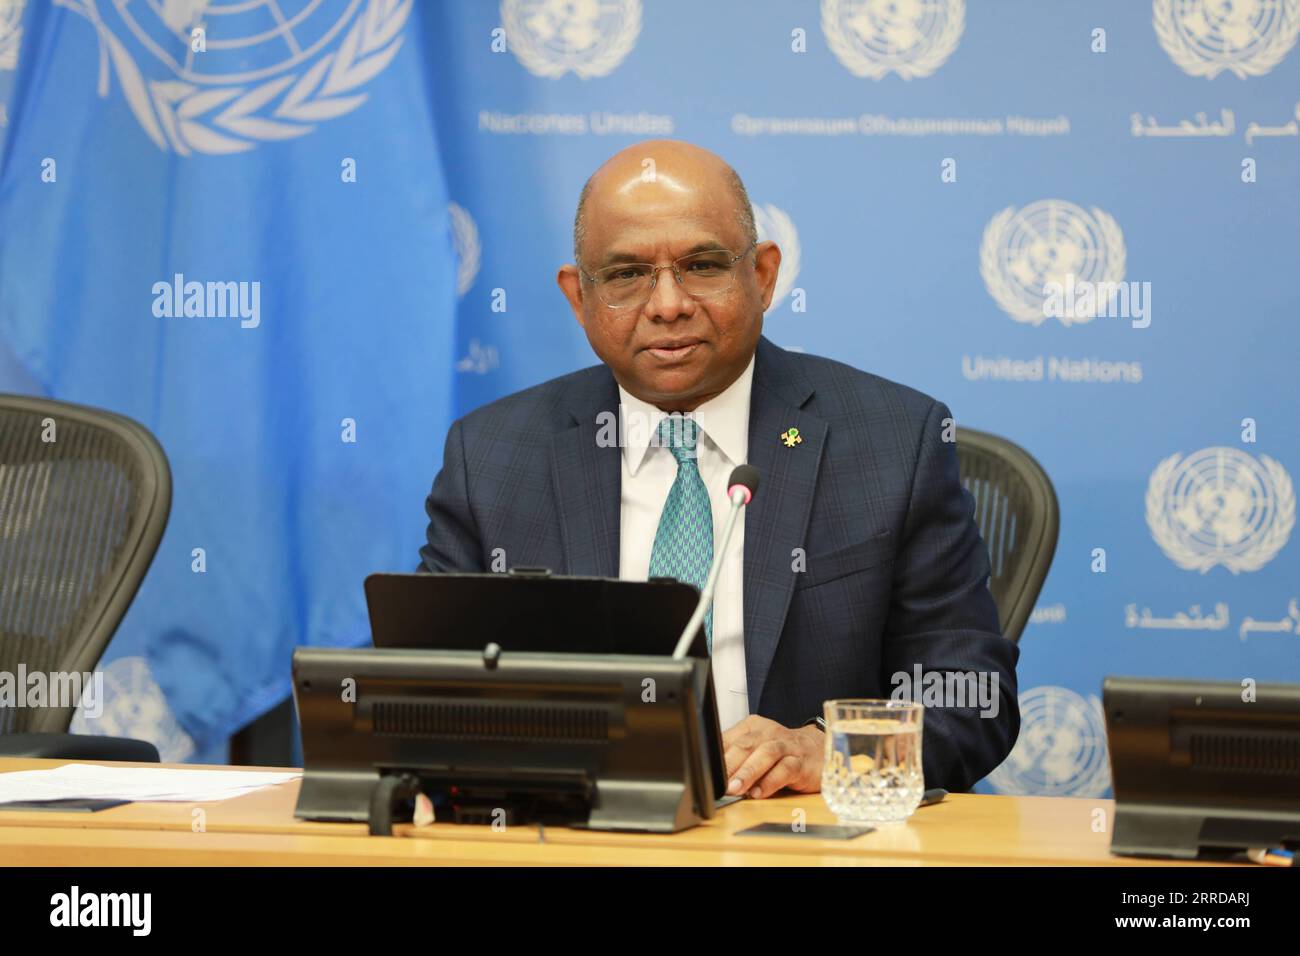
(818, 722)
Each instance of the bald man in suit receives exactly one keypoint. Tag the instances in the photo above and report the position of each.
(857, 562)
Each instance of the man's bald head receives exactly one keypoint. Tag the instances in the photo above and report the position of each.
(675, 160)
(681, 341)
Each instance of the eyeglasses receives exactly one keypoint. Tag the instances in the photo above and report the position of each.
(701, 274)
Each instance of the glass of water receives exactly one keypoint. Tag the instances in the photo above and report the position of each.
(872, 773)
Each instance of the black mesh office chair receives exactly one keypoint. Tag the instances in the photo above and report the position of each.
(1017, 514)
(84, 499)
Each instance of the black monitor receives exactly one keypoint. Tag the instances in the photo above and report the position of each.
(1202, 765)
(515, 698)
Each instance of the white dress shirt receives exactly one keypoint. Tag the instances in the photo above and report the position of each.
(648, 474)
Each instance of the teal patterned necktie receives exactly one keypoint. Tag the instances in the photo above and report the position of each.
(683, 547)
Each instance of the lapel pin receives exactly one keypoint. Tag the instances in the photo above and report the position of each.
(791, 437)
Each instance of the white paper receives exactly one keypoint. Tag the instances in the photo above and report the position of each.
(80, 781)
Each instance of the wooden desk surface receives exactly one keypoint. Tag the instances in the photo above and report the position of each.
(260, 829)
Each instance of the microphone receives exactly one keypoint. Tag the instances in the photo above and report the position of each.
(740, 491)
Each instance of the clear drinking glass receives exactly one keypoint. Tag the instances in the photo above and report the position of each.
(872, 773)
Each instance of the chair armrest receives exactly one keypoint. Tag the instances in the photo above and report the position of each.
(77, 747)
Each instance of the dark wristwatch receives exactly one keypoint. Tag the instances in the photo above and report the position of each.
(819, 721)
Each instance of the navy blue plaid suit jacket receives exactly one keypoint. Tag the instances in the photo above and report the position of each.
(896, 572)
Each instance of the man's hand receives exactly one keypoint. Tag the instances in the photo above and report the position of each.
(764, 757)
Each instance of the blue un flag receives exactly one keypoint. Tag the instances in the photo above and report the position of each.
(229, 222)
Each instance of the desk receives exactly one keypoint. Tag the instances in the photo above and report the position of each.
(259, 829)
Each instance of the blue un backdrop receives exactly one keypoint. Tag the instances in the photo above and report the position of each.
(930, 169)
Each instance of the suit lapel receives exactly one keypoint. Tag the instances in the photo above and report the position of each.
(588, 481)
(777, 520)
(588, 487)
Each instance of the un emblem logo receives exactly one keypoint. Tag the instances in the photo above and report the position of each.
(775, 225)
(272, 69)
(11, 32)
(588, 37)
(134, 706)
(1061, 750)
(1048, 241)
(1245, 37)
(1220, 506)
(464, 241)
(909, 37)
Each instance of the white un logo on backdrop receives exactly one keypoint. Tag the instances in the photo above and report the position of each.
(909, 37)
(135, 707)
(1048, 242)
(774, 224)
(1061, 750)
(1245, 37)
(1220, 506)
(11, 32)
(272, 69)
(465, 243)
(588, 37)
